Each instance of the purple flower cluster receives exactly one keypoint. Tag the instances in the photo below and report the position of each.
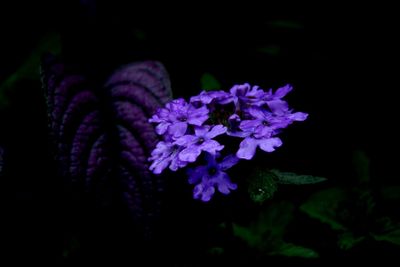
(191, 129)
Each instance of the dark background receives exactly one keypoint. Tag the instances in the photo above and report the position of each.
(342, 62)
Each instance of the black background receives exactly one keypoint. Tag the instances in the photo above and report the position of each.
(341, 60)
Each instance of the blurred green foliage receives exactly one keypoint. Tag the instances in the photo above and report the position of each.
(352, 212)
(209, 82)
(347, 240)
(324, 206)
(267, 233)
(296, 179)
(30, 68)
(263, 183)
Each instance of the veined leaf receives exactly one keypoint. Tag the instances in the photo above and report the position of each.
(249, 235)
(347, 240)
(392, 237)
(296, 179)
(324, 205)
(102, 135)
(269, 227)
(291, 250)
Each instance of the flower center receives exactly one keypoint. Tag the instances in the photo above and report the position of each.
(212, 171)
(175, 148)
(200, 140)
(182, 118)
(265, 123)
(221, 113)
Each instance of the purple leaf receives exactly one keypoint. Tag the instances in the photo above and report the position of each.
(103, 134)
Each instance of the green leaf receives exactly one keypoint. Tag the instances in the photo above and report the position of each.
(366, 200)
(291, 250)
(347, 240)
(276, 218)
(30, 69)
(324, 206)
(248, 234)
(361, 165)
(386, 224)
(261, 185)
(209, 82)
(392, 237)
(266, 234)
(270, 225)
(296, 179)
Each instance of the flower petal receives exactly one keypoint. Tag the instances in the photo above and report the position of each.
(178, 129)
(161, 148)
(201, 130)
(281, 92)
(198, 98)
(186, 140)
(211, 146)
(216, 130)
(176, 163)
(263, 131)
(197, 116)
(240, 90)
(207, 193)
(256, 112)
(190, 153)
(278, 106)
(228, 162)
(224, 184)
(247, 148)
(196, 174)
(162, 127)
(268, 145)
(159, 165)
(211, 159)
(249, 125)
(298, 116)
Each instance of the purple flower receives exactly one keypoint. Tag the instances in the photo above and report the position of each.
(265, 123)
(246, 96)
(233, 126)
(280, 92)
(166, 154)
(200, 141)
(176, 116)
(248, 146)
(281, 107)
(247, 112)
(212, 176)
(219, 97)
